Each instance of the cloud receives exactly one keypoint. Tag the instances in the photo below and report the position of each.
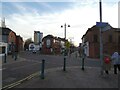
(80, 18)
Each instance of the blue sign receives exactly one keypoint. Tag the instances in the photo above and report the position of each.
(101, 24)
(31, 47)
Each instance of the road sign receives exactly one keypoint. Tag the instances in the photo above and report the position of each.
(104, 26)
(67, 44)
(101, 24)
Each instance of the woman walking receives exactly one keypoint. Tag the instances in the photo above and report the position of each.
(116, 61)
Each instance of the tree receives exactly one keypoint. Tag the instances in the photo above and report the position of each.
(27, 42)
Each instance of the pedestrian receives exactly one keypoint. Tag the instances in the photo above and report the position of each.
(16, 53)
(12, 49)
(80, 51)
(116, 61)
(83, 56)
(106, 63)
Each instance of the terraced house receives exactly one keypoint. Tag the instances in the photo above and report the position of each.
(52, 44)
(110, 39)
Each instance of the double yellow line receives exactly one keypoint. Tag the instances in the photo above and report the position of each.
(20, 81)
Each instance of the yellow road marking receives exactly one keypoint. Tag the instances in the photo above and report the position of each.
(20, 81)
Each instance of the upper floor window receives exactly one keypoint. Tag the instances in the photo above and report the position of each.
(48, 43)
(95, 38)
(110, 38)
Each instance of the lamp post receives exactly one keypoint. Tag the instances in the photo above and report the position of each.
(65, 28)
(64, 67)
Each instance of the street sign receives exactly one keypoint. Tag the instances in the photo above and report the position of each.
(67, 44)
(101, 24)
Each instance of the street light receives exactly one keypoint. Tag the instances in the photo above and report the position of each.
(65, 28)
(64, 67)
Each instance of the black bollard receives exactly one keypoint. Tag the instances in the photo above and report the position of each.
(5, 58)
(15, 56)
(82, 63)
(12, 54)
(64, 66)
(76, 54)
(42, 69)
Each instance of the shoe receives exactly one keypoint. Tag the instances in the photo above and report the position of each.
(107, 72)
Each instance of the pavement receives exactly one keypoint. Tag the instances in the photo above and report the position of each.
(73, 77)
(10, 60)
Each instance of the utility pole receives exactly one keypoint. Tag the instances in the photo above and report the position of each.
(101, 41)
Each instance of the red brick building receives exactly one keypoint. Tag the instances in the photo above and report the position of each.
(10, 37)
(19, 43)
(91, 41)
(52, 45)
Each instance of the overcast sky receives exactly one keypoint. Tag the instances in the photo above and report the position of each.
(26, 16)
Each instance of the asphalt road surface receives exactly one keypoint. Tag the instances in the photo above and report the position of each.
(29, 63)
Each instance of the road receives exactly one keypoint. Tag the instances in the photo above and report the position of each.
(31, 63)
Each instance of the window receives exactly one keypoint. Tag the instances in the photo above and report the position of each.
(95, 38)
(2, 50)
(110, 38)
(119, 39)
(48, 43)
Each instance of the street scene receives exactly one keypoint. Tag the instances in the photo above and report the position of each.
(27, 68)
(46, 44)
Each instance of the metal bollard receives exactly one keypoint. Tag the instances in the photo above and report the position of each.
(64, 66)
(15, 56)
(5, 58)
(76, 54)
(42, 69)
(82, 63)
(12, 54)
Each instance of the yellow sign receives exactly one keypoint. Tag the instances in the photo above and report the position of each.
(67, 44)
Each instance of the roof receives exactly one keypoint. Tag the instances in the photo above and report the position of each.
(57, 38)
(5, 31)
(18, 36)
(106, 28)
(90, 29)
(49, 36)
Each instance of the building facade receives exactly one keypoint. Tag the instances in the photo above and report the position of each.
(11, 39)
(8, 36)
(52, 45)
(19, 43)
(38, 37)
(91, 41)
